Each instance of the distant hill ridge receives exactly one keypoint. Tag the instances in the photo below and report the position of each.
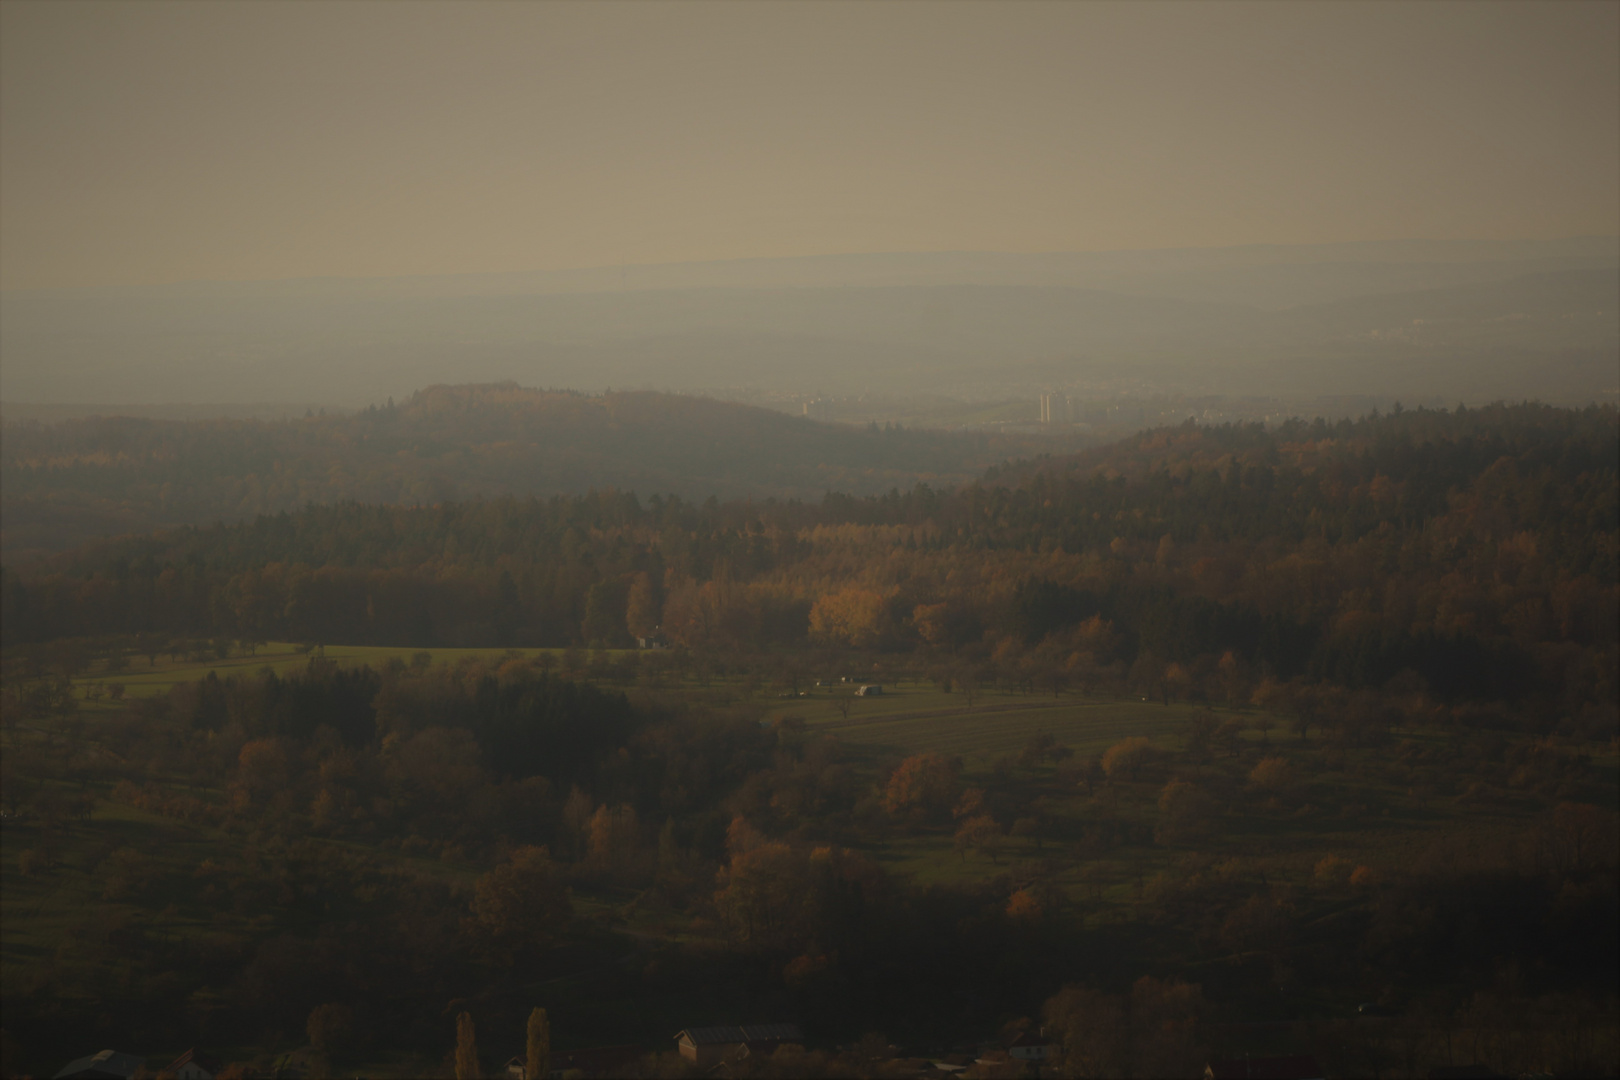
(76, 480)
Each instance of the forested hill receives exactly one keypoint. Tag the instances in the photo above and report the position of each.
(69, 482)
(1477, 549)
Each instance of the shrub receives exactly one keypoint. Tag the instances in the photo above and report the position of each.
(1126, 760)
(1274, 775)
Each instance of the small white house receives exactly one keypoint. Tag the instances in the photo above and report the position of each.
(1030, 1047)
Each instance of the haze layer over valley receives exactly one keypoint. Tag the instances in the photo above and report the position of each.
(1437, 320)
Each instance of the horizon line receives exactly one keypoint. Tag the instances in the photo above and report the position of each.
(626, 266)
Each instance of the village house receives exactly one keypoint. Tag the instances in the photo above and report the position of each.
(107, 1065)
(709, 1046)
(1030, 1046)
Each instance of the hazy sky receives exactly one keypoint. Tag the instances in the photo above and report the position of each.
(147, 142)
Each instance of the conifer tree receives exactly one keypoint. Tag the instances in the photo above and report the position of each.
(537, 1064)
(466, 1048)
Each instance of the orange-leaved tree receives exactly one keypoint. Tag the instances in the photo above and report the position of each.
(923, 784)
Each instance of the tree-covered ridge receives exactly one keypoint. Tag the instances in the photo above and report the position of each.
(70, 481)
(1477, 548)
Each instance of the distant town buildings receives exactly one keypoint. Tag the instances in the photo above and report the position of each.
(818, 408)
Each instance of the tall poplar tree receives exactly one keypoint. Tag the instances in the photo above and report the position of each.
(466, 1048)
(537, 1065)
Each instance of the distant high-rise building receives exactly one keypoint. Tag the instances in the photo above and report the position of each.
(1054, 409)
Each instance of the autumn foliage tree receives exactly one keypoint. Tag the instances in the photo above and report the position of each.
(980, 833)
(520, 905)
(924, 786)
(777, 897)
(1186, 813)
(1152, 1031)
(1129, 758)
